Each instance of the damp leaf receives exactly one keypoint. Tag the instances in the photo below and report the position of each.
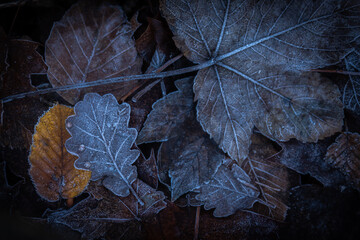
(102, 140)
(95, 217)
(344, 154)
(52, 166)
(259, 49)
(228, 191)
(269, 176)
(92, 41)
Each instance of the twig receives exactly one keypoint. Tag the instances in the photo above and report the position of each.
(14, 4)
(111, 80)
(197, 221)
(335, 71)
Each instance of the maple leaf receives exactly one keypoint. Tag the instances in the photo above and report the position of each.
(256, 51)
(52, 167)
(94, 218)
(188, 156)
(351, 91)
(100, 137)
(344, 154)
(228, 191)
(89, 43)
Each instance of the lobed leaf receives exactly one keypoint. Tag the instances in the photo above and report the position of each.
(351, 91)
(259, 49)
(100, 137)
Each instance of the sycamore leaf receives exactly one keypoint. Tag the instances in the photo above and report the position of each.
(269, 176)
(258, 49)
(101, 138)
(351, 91)
(93, 218)
(228, 191)
(89, 43)
(52, 167)
(188, 156)
(344, 154)
(22, 60)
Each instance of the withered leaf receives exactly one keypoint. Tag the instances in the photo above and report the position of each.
(344, 154)
(269, 176)
(258, 49)
(102, 140)
(147, 169)
(188, 156)
(89, 43)
(93, 218)
(22, 60)
(351, 91)
(52, 167)
(228, 191)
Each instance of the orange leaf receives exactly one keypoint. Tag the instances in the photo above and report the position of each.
(52, 167)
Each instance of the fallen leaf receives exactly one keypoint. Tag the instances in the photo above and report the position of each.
(93, 218)
(91, 42)
(3, 53)
(351, 91)
(100, 137)
(228, 191)
(269, 176)
(52, 167)
(308, 158)
(259, 50)
(147, 169)
(187, 156)
(344, 155)
(22, 60)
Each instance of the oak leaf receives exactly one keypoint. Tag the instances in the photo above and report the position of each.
(102, 140)
(256, 51)
(91, 42)
(52, 167)
(351, 91)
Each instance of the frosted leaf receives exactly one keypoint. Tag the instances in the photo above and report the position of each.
(230, 190)
(259, 49)
(351, 91)
(100, 137)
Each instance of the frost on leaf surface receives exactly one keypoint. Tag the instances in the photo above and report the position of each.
(228, 191)
(94, 218)
(92, 41)
(259, 49)
(351, 91)
(101, 138)
(188, 156)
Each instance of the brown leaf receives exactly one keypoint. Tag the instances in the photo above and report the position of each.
(93, 218)
(147, 169)
(52, 167)
(269, 176)
(89, 43)
(20, 116)
(344, 154)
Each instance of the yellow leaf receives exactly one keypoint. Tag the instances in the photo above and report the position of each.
(52, 166)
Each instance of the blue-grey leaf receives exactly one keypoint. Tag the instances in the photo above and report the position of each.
(259, 49)
(100, 137)
(230, 190)
(351, 91)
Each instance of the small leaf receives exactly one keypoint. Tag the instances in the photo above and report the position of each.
(269, 176)
(344, 154)
(91, 42)
(52, 167)
(101, 138)
(229, 191)
(147, 169)
(93, 218)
